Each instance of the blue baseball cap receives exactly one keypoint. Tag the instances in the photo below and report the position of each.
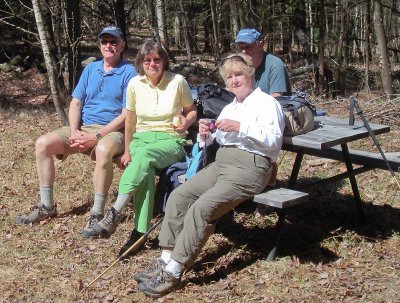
(247, 35)
(112, 30)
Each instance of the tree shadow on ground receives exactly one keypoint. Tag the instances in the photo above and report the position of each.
(328, 215)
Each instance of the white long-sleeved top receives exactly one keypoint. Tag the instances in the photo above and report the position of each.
(261, 125)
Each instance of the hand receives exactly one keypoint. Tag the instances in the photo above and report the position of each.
(204, 128)
(124, 160)
(83, 141)
(183, 126)
(227, 125)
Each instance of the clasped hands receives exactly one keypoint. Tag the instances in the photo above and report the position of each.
(82, 141)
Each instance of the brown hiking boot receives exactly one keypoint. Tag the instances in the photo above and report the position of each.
(108, 225)
(159, 285)
(152, 270)
(88, 231)
(38, 213)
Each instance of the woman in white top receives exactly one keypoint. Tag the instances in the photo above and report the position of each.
(250, 132)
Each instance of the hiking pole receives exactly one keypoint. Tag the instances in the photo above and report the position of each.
(355, 106)
(133, 246)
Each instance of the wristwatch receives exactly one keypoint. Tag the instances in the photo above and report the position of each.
(98, 135)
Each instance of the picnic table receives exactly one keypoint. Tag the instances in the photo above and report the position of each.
(329, 139)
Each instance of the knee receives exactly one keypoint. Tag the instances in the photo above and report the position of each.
(42, 145)
(104, 154)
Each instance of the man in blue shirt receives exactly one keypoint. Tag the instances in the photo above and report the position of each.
(271, 74)
(96, 121)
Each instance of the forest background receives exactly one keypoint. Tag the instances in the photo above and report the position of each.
(332, 49)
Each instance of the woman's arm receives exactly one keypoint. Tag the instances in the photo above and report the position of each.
(130, 129)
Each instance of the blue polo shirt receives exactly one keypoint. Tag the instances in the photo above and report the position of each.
(271, 76)
(103, 94)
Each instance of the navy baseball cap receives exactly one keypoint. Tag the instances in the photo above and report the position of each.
(112, 30)
(247, 35)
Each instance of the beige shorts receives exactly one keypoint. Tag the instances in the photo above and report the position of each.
(64, 132)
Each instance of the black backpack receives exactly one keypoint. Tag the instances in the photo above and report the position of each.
(211, 99)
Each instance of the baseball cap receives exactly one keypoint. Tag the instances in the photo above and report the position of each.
(247, 35)
(112, 30)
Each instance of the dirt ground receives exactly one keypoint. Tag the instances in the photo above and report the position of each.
(326, 254)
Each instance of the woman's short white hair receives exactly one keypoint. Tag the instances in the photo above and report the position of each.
(234, 63)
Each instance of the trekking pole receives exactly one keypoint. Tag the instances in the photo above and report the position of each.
(133, 247)
(355, 106)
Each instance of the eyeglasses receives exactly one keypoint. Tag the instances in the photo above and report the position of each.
(237, 58)
(245, 46)
(102, 84)
(147, 61)
(111, 42)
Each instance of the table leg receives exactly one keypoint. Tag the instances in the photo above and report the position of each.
(296, 169)
(353, 182)
(278, 235)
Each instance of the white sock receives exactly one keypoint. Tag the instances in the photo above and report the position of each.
(166, 256)
(122, 202)
(98, 204)
(46, 197)
(174, 268)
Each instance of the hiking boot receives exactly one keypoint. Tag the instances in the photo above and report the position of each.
(154, 268)
(159, 285)
(134, 237)
(88, 231)
(38, 213)
(108, 225)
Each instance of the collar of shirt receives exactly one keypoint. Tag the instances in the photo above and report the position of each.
(166, 78)
(119, 69)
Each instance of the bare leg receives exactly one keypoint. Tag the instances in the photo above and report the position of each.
(45, 148)
(103, 172)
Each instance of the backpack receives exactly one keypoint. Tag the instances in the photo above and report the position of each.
(299, 113)
(211, 99)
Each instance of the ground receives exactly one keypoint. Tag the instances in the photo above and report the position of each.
(326, 254)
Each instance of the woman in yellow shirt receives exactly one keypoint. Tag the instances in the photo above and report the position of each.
(156, 100)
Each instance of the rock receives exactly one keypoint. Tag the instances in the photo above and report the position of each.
(16, 61)
(88, 60)
(6, 67)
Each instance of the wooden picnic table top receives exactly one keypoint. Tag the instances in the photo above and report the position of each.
(329, 132)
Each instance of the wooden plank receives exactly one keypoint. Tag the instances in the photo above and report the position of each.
(368, 159)
(281, 198)
(329, 132)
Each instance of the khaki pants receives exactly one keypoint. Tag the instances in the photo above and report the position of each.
(116, 137)
(193, 208)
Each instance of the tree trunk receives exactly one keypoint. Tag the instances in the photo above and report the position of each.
(321, 47)
(161, 22)
(367, 13)
(74, 38)
(234, 19)
(49, 65)
(119, 15)
(185, 31)
(153, 21)
(382, 46)
(215, 29)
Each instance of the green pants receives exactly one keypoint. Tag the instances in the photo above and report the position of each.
(150, 151)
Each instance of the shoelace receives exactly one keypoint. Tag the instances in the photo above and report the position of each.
(154, 266)
(109, 219)
(159, 279)
(93, 220)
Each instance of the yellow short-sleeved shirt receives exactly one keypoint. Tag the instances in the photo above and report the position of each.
(155, 106)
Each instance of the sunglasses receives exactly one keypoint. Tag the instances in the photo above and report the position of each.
(236, 58)
(111, 42)
(147, 61)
